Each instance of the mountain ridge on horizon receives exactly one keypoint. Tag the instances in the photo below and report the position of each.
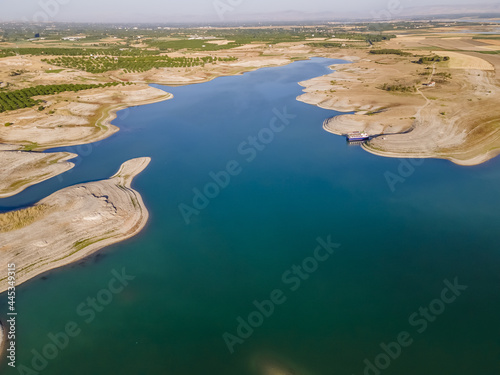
(397, 12)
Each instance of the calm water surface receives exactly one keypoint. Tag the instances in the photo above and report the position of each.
(193, 281)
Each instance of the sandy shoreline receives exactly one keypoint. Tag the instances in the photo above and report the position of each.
(48, 241)
(22, 169)
(30, 168)
(3, 341)
(76, 120)
(73, 223)
(72, 119)
(442, 127)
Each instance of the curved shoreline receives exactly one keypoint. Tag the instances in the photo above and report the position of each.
(122, 180)
(3, 341)
(444, 126)
(466, 162)
(110, 113)
(79, 220)
(61, 166)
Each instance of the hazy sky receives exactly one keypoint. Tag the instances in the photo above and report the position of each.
(200, 10)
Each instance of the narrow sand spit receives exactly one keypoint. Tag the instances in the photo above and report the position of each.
(86, 119)
(72, 223)
(3, 341)
(28, 168)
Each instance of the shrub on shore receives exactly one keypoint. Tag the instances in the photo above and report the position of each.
(388, 51)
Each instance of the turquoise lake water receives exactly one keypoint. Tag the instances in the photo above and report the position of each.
(192, 282)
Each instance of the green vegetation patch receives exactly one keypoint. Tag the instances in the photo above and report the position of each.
(101, 64)
(79, 245)
(431, 59)
(52, 51)
(326, 44)
(492, 37)
(389, 51)
(7, 53)
(30, 146)
(370, 38)
(398, 88)
(443, 76)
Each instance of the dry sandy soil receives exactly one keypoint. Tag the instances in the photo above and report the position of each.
(71, 224)
(83, 117)
(458, 119)
(68, 119)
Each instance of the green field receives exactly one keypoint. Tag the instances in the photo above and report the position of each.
(101, 64)
(24, 98)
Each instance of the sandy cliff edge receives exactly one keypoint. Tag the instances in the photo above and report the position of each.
(457, 119)
(72, 223)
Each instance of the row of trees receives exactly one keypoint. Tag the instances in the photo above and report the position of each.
(101, 64)
(326, 44)
(431, 59)
(370, 38)
(398, 87)
(388, 51)
(24, 98)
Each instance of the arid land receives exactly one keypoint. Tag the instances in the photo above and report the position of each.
(71, 223)
(83, 117)
(76, 221)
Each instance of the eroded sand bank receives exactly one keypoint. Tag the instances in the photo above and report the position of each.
(72, 223)
(79, 118)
